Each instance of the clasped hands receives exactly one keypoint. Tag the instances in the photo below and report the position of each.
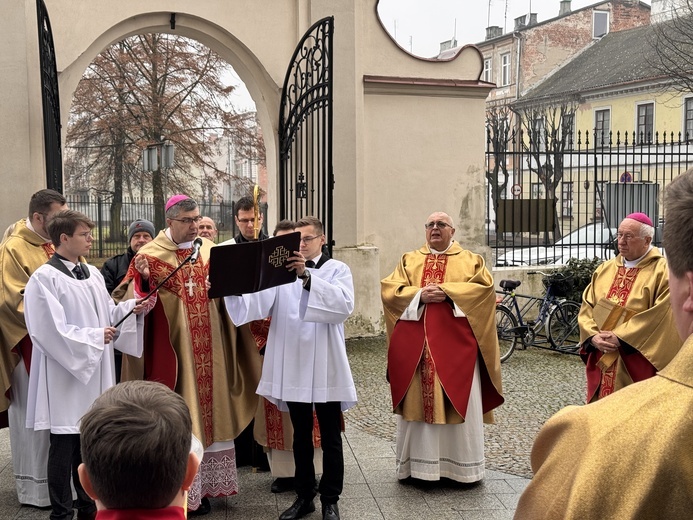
(605, 341)
(433, 294)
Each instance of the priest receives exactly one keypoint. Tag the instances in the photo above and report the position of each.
(26, 248)
(627, 331)
(443, 356)
(192, 346)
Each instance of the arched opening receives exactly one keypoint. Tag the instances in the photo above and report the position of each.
(215, 178)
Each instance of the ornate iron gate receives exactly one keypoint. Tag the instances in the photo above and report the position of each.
(51, 101)
(306, 179)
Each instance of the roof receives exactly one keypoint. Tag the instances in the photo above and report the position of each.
(619, 58)
(550, 20)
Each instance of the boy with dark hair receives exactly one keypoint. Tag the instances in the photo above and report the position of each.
(135, 442)
(69, 317)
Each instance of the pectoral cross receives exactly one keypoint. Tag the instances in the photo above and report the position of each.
(190, 284)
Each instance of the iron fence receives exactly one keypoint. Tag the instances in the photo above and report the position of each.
(110, 233)
(553, 199)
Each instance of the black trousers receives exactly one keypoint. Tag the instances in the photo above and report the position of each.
(64, 457)
(330, 421)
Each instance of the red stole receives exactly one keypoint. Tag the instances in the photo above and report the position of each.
(439, 344)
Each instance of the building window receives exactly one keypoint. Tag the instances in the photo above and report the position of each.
(505, 69)
(538, 191)
(600, 24)
(602, 127)
(645, 123)
(488, 70)
(538, 137)
(568, 130)
(688, 118)
(567, 200)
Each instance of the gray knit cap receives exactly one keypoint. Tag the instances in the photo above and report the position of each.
(140, 225)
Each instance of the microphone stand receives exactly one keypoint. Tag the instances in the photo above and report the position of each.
(187, 259)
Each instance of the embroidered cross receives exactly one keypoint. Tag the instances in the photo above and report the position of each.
(278, 256)
(190, 284)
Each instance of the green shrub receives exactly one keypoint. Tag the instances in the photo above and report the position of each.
(581, 271)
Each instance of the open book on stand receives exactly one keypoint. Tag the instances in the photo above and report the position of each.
(252, 266)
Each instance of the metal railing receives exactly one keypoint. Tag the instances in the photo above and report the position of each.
(110, 233)
(566, 197)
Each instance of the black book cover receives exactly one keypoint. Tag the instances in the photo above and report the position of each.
(252, 266)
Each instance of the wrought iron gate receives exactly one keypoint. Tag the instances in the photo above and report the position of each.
(51, 101)
(306, 179)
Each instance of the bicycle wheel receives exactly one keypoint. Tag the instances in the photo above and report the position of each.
(506, 325)
(562, 325)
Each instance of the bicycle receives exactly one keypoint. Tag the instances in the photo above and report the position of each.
(557, 317)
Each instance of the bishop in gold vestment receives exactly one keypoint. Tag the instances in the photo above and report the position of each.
(629, 296)
(192, 346)
(443, 357)
(628, 456)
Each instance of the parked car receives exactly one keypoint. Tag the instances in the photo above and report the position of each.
(586, 242)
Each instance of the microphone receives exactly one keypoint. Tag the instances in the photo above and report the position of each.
(196, 250)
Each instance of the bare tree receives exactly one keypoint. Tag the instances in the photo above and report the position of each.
(547, 135)
(500, 136)
(671, 47)
(145, 90)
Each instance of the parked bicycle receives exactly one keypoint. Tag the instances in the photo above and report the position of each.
(555, 326)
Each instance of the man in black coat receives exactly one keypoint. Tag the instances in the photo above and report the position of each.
(141, 231)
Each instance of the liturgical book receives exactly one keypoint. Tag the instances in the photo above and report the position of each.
(252, 266)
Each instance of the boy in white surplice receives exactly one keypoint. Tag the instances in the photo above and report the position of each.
(70, 316)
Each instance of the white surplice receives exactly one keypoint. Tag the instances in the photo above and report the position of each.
(305, 357)
(71, 365)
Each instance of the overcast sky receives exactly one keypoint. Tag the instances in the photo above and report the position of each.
(422, 24)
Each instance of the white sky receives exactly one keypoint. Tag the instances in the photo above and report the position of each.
(429, 22)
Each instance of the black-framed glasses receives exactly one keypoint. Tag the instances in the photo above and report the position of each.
(188, 220)
(308, 240)
(246, 220)
(438, 223)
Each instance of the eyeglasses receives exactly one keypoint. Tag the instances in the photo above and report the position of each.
(626, 236)
(188, 220)
(438, 223)
(308, 240)
(246, 220)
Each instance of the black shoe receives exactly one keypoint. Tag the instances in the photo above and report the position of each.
(300, 508)
(330, 512)
(205, 507)
(282, 484)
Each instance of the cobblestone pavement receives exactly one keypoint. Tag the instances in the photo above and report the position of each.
(536, 384)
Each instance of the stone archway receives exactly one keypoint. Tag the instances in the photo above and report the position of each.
(261, 86)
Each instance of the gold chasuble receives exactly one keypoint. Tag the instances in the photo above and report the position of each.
(625, 457)
(192, 346)
(634, 304)
(21, 254)
(431, 361)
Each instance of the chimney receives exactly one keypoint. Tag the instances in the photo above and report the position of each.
(565, 8)
(520, 22)
(493, 32)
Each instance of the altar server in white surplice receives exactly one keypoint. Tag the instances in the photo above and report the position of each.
(306, 365)
(70, 316)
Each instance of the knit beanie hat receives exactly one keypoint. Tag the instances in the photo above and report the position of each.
(140, 225)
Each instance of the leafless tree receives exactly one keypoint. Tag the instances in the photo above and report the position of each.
(671, 47)
(500, 137)
(547, 135)
(145, 90)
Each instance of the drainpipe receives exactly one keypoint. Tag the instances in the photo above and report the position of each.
(518, 37)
